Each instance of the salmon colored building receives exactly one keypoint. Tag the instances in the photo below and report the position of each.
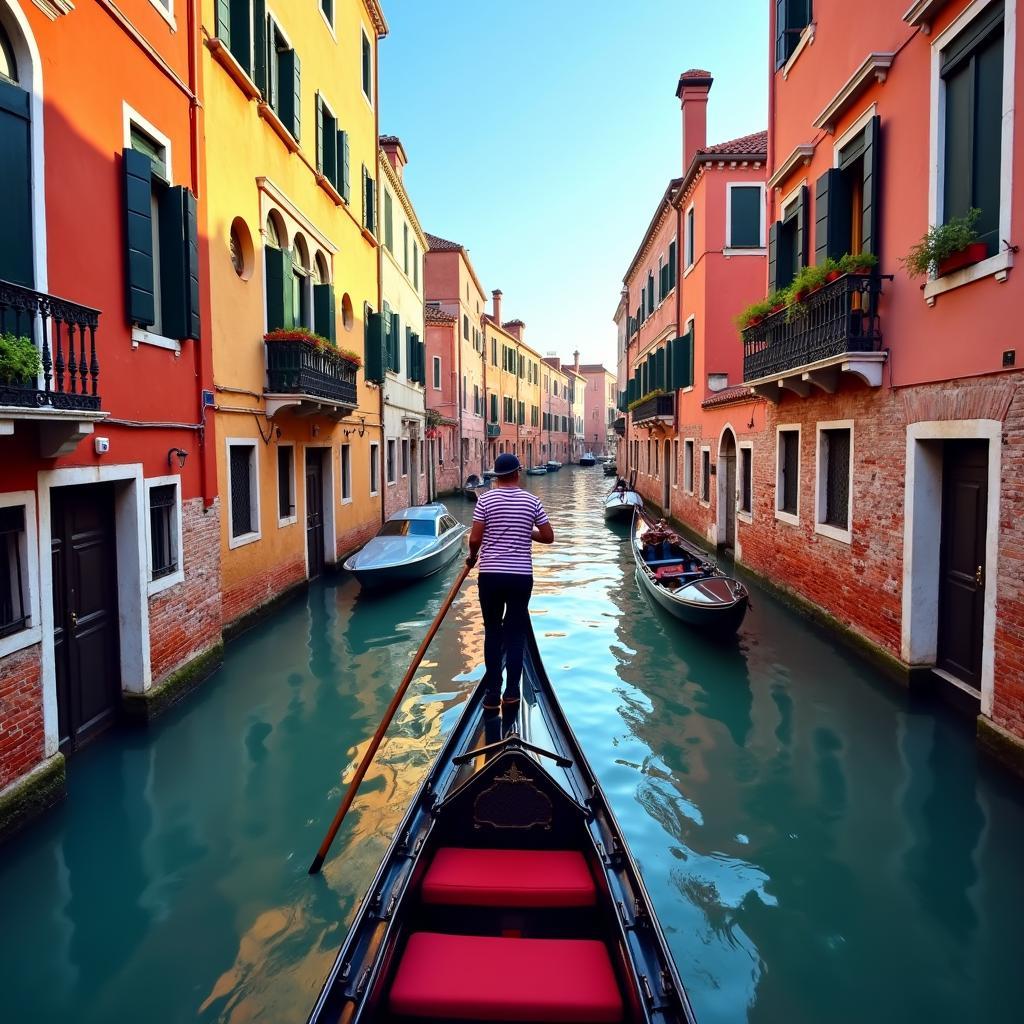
(294, 224)
(701, 260)
(555, 415)
(599, 402)
(886, 486)
(109, 566)
(442, 335)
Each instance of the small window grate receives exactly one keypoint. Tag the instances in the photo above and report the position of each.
(13, 605)
(241, 490)
(163, 530)
(746, 480)
(790, 471)
(837, 478)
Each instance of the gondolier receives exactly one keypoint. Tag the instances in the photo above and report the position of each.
(506, 522)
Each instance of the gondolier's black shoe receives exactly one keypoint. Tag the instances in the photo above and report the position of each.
(510, 700)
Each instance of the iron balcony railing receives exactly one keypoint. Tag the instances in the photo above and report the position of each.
(654, 408)
(494, 430)
(839, 318)
(300, 368)
(619, 426)
(65, 334)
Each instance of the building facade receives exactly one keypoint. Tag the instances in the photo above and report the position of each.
(599, 409)
(109, 566)
(291, 157)
(555, 415)
(401, 255)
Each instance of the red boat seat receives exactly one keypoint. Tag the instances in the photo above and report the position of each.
(473, 977)
(509, 878)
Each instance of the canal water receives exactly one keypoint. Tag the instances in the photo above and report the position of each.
(818, 846)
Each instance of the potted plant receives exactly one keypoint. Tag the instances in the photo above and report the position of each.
(753, 314)
(947, 247)
(19, 365)
(858, 263)
(778, 300)
(349, 356)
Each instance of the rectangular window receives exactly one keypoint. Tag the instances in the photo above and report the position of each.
(476, 399)
(405, 457)
(494, 351)
(791, 18)
(326, 142)
(163, 530)
(389, 226)
(327, 6)
(391, 462)
(374, 467)
(346, 473)
(464, 391)
(788, 486)
(405, 248)
(437, 373)
(971, 70)
(369, 202)
(834, 477)
(465, 327)
(675, 463)
(689, 237)
(746, 480)
(705, 474)
(416, 265)
(14, 581)
(285, 482)
(367, 68)
(745, 217)
(244, 490)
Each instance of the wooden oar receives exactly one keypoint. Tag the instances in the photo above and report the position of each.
(378, 736)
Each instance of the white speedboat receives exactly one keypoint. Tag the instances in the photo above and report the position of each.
(587, 459)
(415, 542)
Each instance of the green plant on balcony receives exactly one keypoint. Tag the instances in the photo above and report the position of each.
(19, 360)
(434, 418)
(314, 340)
(857, 263)
(640, 401)
(941, 242)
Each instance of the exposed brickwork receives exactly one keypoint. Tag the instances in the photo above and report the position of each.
(185, 620)
(257, 590)
(21, 714)
(355, 538)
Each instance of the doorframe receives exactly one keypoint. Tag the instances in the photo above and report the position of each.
(724, 504)
(327, 498)
(922, 533)
(132, 573)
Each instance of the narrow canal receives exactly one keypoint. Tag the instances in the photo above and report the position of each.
(818, 846)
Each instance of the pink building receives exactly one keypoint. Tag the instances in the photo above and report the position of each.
(442, 433)
(599, 403)
(555, 399)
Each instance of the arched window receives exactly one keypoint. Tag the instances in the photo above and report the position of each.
(273, 234)
(302, 305)
(8, 65)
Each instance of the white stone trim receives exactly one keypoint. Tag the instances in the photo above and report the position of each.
(997, 266)
(31, 633)
(167, 13)
(852, 132)
(130, 116)
(728, 249)
(689, 241)
(806, 38)
(142, 337)
(875, 65)
(344, 479)
(689, 447)
(780, 515)
(178, 576)
(741, 513)
(705, 478)
(922, 538)
(327, 502)
(254, 490)
(375, 464)
(820, 468)
(801, 154)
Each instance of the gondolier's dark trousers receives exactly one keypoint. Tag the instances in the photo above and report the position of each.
(504, 601)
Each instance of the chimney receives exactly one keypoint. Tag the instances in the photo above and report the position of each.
(392, 148)
(692, 91)
(496, 296)
(576, 360)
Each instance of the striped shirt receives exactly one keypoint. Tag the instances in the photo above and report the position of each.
(509, 515)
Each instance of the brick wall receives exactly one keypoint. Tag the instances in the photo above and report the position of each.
(257, 590)
(355, 538)
(21, 714)
(185, 620)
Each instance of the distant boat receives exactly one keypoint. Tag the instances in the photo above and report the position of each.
(489, 474)
(587, 459)
(473, 484)
(610, 469)
(537, 471)
(684, 581)
(620, 504)
(414, 543)
(554, 465)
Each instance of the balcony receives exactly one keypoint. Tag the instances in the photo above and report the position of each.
(837, 331)
(657, 409)
(64, 396)
(619, 426)
(309, 379)
(494, 430)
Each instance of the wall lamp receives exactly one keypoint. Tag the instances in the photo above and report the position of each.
(361, 428)
(178, 453)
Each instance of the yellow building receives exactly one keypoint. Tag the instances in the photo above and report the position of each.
(291, 159)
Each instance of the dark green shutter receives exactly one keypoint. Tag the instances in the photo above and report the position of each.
(394, 359)
(138, 195)
(319, 135)
(831, 232)
(659, 369)
(682, 361)
(329, 146)
(323, 310)
(345, 180)
(279, 288)
(259, 43)
(803, 223)
(668, 375)
(872, 183)
(16, 249)
(421, 359)
(241, 40)
(289, 102)
(410, 359)
(494, 408)
(179, 264)
(672, 257)
(369, 219)
(222, 22)
(375, 345)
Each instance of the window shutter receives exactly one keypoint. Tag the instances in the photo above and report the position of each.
(410, 357)
(179, 264)
(259, 40)
(239, 36)
(394, 356)
(329, 146)
(659, 369)
(494, 408)
(872, 182)
(828, 234)
(668, 374)
(290, 103)
(279, 288)
(369, 220)
(421, 359)
(682, 360)
(323, 310)
(375, 345)
(320, 135)
(222, 22)
(343, 165)
(672, 266)
(138, 193)
(802, 226)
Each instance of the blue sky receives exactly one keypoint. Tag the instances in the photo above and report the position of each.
(540, 135)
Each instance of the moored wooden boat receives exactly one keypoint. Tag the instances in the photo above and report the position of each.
(537, 471)
(619, 504)
(610, 469)
(508, 893)
(553, 465)
(684, 581)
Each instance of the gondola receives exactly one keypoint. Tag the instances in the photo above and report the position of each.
(681, 578)
(610, 469)
(508, 893)
(537, 471)
(553, 465)
(619, 504)
(473, 484)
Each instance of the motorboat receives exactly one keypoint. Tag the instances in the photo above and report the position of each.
(684, 580)
(414, 543)
(537, 471)
(587, 459)
(553, 465)
(473, 484)
(509, 892)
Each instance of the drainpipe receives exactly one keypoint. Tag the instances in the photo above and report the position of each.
(380, 265)
(458, 392)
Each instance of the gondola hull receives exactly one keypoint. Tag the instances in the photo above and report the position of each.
(620, 505)
(599, 952)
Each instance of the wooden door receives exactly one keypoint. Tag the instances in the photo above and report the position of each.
(314, 511)
(85, 622)
(962, 559)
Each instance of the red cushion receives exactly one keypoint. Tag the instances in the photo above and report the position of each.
(460, 977)
(509, 878)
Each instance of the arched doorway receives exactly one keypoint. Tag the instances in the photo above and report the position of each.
(727, 490)
(666, 476)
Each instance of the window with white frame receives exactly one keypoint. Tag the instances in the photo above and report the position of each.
(374, 467)
(437, 373)
(787, 489)
(285, 483)
(15, 575)
(705, 475)
(745, 215)
(243, 489)
(164, 528)
(746, 495)
(367, 66)
(689, 237)
(835, 443)
(391, 469)
(688, 466)
(346, 473)
(675, 463)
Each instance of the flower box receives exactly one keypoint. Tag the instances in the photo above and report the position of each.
(974, 253)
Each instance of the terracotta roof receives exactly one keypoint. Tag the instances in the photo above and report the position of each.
(513, 323)
(745, 145)
(390, 140)
(438, 316)
(436, 242)
(739, 393)
(593, 368)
